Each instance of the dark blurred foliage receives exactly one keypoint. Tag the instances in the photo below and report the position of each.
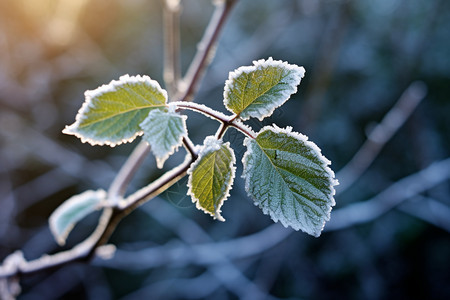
(359, 55)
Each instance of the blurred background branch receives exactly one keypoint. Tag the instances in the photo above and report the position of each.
(381, 134)
(172, 68)
(389, 233)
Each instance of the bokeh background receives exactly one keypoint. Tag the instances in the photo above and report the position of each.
(389, 233)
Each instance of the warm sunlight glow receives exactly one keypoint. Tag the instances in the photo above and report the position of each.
(58, 18)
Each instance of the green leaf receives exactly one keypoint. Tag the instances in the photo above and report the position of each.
(211, 176)
(164, 131)
(64, 218)
(255, 91)
(111, 114)
(289, 179)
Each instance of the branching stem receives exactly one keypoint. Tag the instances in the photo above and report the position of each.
(120, 208)
(205, 110)
(227, 121)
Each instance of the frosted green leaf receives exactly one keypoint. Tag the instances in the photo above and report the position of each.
(211, 176)
(64, 218)
(255, 91)
(111, 114)
(164, 131)
(289, 179)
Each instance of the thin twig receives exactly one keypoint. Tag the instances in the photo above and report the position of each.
(236, 123)
(120, 183)
(189, 145)
(381, 134)
(269, 237)
(157, 186)
(79, 252)
(112, 216)
(205, 110)
(206, 48)
(172, 71)
(107, 223)
(227, 121)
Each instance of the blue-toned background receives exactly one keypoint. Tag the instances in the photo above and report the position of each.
(389, 234)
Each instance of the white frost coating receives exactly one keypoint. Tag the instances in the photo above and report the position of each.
(64, 218)
(264, 104)
(201, 108)
(149, 189)
(288, 131)
(281, 209)
(172, 108)
(212, 144)
(89, 136)
(164, 131)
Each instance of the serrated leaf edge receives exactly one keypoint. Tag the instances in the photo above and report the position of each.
(107, 88)
(325, 164)
(299, 73)
(212, 144)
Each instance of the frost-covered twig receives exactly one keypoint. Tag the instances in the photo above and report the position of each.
(205, 254)
(381, 134)
(217, 257)
(81, 251)
(192, 77)
(226, 121)
(112, 216)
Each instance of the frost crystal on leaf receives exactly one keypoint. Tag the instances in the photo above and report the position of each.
(289, 179)
(64, 218)
(256, 91)
(111, 114)
(164, 131)
(211, 176)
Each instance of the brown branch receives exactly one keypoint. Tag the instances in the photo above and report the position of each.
(120, 183)
(107, 223)
(15, 263)
(205, 52)
(227, 121)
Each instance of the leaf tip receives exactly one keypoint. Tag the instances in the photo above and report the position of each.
(218, 216)
(160, 161)
(64, 218)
